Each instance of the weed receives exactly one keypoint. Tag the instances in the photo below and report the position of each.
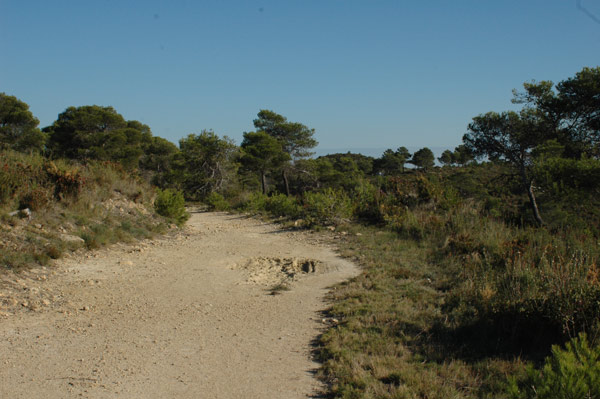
(278, 289)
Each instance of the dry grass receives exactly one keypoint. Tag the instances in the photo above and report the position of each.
(69, 206)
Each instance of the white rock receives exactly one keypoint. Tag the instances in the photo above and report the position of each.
(72, 238)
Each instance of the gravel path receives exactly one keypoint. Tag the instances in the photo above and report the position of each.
(187, 316)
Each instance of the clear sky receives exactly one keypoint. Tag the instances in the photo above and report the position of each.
(364, 74)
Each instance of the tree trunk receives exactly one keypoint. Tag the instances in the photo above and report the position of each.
(534, 207)
(263, 180)
(528, 185)
(286, 182)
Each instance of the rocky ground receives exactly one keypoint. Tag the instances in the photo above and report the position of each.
(225, 308)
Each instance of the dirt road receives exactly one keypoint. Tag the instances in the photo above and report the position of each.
(187, 316)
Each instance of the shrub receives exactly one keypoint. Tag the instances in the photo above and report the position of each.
(282, 205)
(170, 203)
(68, 182)
(573, 372)
(36, 199)
(216, 202)
(368, 202)
(257, 203)
(18, 174)
(327, 207)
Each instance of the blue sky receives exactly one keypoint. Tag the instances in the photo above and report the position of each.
(365, 74)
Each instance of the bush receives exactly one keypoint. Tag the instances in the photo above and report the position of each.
(257, 203)
(68, 182)
(36, 199)
(573, 372)
(170, 203)
(282, 205)
(327, 207)
(19, 173)
(368, 202)
(216, 202)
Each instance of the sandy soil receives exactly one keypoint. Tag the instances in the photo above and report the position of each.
(191, 315)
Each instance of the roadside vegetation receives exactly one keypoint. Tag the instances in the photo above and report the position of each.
(480, 276)
(81, 183)
(52, 207)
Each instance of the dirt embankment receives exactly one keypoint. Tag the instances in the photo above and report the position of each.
(226, 309)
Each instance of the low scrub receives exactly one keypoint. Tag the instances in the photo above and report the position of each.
(171, 204)
(48, 208)
(280, 205)
(216, 202)
(328, 207)
(256, 203)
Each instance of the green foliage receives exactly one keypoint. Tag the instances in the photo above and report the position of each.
(262, 153)
(170, 203)
(462, 155)
(446, 158)
(423, 158)
(256, 203)
(100, 133)
(18, 126)
(510, 137)
(281, 205)
(344, 171)
(573, 372)
(368, 202)
(359, 164)
(392, 162)
(205, 163)
(216, 202)
(555, 123)
(295, 138)
(328, 207)
(296, 141)
(561, 174)
(571, 108)
(157, 160)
